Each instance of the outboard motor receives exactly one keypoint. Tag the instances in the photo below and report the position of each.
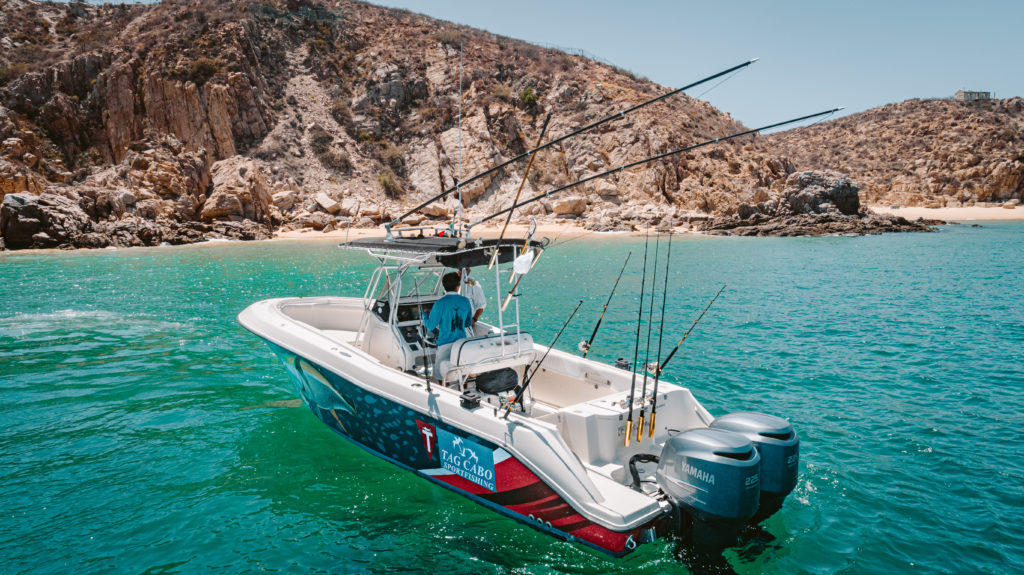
(711, 476)
(779, 447)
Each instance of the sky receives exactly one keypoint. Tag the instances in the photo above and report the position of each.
(814, 55)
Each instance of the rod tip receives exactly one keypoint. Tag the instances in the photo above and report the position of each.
(754, 60)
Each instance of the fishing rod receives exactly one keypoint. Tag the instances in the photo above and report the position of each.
(585, 346)
(562, 138)
(661, 332)
(516, 278)
(647, 352)
(526, 383)
(660, 368)
(540, 138)
(636, 348)
(652, 159)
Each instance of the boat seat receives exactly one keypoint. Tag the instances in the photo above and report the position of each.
(485, 353)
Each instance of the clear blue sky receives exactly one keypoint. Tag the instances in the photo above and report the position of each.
(814, 55)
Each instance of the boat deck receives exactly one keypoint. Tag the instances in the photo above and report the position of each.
(341, 335)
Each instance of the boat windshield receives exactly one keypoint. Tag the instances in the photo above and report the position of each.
(408, 283)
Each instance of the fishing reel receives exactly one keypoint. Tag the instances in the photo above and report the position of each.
(583, 346)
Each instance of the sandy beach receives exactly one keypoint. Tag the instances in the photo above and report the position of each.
(563, 231)
(994, 212)
(570, 230)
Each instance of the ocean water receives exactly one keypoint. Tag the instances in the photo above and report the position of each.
(143, 431)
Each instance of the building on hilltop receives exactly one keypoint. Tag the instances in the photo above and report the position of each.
(968, 96)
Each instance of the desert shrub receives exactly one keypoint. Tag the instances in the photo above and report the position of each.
(450, 37)
(341, 113)
(528, 97)
(12, 71)
(389, 182)
(546, 66)
(393, 157)
(528, 51)
(202, 70)
(502, 92)
(320, 140)
(96, 38)
(564, 61)
(337, 160)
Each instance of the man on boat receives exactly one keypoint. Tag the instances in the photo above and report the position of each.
(472, 290)
(451, 316)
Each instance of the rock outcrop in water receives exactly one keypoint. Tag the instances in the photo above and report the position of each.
(183, 121)
(810, 204)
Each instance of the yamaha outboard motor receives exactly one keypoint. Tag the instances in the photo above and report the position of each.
(711, 476)
(779, 447)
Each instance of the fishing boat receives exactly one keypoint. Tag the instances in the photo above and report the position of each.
(538, 434)
(558, 458)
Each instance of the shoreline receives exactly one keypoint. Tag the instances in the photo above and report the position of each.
(570, 230)
(489, 232)
(972, 213)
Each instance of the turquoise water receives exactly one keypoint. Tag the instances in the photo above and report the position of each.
(143, 431)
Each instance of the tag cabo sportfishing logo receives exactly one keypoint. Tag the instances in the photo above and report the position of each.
(466, 459)
(461, 456)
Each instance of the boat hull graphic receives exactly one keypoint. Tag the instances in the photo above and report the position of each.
(448, 456)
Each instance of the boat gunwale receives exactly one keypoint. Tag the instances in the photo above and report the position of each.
(544, 430)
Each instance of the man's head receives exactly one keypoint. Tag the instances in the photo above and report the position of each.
(450, 281)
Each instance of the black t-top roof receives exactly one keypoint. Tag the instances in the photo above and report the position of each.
(445, 250)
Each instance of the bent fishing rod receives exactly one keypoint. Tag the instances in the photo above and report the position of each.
(659, 368)
(501, 236)
(526, 382)
(661, 332)
(647, 351)
(636, 348)
(591, 126)
(585, 347)
(652, 159)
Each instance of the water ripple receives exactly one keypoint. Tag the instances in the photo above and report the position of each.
(139, 420)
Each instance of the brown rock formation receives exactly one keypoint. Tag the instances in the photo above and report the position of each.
(934, 153)
(810, 204)
(168, 104)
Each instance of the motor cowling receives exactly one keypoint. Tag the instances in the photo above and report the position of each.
(711, 472)
(779, 447)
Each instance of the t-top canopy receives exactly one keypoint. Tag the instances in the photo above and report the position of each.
(445, 251)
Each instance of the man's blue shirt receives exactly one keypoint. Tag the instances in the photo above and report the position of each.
(451, 316)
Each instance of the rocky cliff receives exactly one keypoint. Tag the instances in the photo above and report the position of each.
(933, 153)
(138, 125)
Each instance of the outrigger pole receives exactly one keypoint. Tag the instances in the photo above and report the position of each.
(586, 346)
(661, 332)
(458, 185)
(647, 353)
(636, 348)
(689, 331)
(540, 138)
(653, 159)
(526, 382)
